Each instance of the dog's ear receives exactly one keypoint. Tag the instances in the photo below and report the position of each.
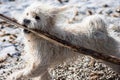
(59, 9)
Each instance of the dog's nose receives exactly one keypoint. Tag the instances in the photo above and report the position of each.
(26, 21)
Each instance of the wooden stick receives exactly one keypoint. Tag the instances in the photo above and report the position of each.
(58, 41)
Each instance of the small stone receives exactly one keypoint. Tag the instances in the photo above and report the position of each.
(11, 0)
(89, 12)
(3, 40)
(16, 54)
(8, 73)
(66, 1)
(60, 1)
(109, 12)
(76, 13)
(1, 66)
(94, 77)
(16, 49)
(9, 54)
(105, 5)
(115, 15)
(118, 10)
(15, 35)
(101, 12)
(3, 71)
(12, 37)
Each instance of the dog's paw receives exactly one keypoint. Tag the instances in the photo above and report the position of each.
(16, 76)
(13, 78)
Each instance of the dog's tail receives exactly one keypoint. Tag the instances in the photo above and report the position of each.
(95, 23)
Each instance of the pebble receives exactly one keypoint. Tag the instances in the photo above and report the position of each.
(89, 12)
(115, 15)
(11, 0)
(0, 2)
(109, 12)
(118, 10)
(105, 5)
(3, 40)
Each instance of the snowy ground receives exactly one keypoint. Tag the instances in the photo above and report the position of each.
(86, 68)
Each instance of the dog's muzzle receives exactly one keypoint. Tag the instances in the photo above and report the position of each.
(26, 21)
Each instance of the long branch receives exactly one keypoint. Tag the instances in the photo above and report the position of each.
(58, 41)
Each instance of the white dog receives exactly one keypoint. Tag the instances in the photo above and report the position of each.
(91, 33)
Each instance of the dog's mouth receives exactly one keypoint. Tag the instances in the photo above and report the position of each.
(25, 23)
(25, 30)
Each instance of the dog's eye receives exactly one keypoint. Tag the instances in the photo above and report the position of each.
(37, 17)
(27, 14)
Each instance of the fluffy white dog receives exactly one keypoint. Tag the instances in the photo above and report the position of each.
(91, 33)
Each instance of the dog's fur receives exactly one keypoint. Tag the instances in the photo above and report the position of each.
(91, 33)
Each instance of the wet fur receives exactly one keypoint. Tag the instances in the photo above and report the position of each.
(91, 33)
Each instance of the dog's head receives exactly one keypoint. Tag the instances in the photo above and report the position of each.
(38, 16)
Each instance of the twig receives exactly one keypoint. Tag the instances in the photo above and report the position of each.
(58, 41)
